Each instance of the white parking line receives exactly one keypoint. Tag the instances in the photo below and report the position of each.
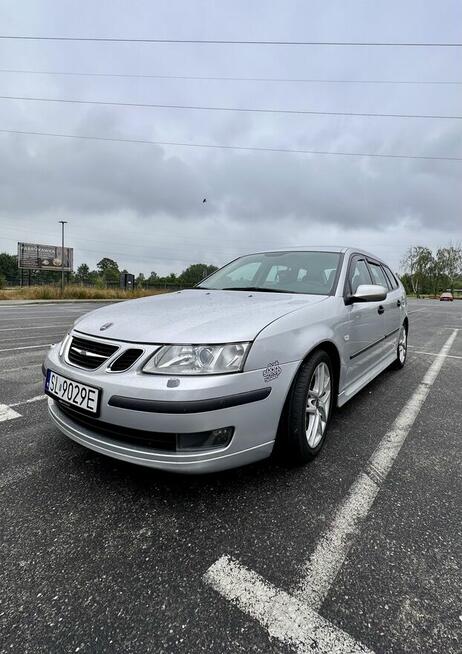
(37, 398)
(329, 555)
(22, 308)
(20, 368)
(436, 312)
(283, 616)
(31, 338)
(436, 354)
(6, 413)
(19, 329)
(293, 618)
(26, 347)
(48, 316)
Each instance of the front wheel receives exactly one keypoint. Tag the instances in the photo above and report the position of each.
(401, 349)
(310, 408)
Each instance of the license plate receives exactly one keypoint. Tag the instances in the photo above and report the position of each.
(72, 393)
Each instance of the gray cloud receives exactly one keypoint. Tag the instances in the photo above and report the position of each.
(143, 203)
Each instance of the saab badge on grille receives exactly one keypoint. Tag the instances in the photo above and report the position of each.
(105, 326)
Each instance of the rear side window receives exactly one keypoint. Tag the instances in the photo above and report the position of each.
(391, 277)
(378, 276)
(359, 274)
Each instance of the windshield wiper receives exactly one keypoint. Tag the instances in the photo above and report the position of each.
(255, 288)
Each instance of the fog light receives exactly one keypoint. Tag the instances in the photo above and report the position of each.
(205, 440)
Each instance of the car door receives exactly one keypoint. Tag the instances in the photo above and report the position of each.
(391, 305)
(365, 325)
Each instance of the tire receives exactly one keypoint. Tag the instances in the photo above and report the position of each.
(401, 349)
(307, 429)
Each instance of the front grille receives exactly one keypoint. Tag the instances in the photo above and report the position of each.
(126, 360)
(124, 435)
(89, 354)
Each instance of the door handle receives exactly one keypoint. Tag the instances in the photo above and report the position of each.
(380, 309)
(398, 303)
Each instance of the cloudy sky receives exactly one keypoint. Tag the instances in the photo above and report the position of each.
(141, 204)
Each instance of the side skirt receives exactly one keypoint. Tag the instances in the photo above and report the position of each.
(350, 391)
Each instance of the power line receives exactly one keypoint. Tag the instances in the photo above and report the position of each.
(147, 105)
(174, 248)
(228, 79)
(231, 42)
(233, 244)
(230, 147)
(152, 258)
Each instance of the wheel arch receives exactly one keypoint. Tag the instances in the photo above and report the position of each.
(331, 349)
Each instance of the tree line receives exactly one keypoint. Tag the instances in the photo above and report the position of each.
(424, 272)
(107, 273)
(430, 273)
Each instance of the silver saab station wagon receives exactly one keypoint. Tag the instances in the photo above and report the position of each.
(258, 354)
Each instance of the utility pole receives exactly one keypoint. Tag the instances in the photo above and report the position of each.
(63, 222)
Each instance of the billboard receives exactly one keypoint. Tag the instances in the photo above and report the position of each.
(34, 256)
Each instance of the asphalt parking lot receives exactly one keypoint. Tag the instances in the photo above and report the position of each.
(102, 556)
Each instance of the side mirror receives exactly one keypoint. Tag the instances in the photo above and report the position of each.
(369, 293)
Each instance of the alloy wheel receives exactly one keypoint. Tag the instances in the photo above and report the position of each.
(318, 404)
(402, 345)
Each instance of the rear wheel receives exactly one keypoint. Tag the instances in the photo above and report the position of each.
(310, 408)
(401, 349)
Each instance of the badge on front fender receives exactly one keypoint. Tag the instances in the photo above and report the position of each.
(272, 371)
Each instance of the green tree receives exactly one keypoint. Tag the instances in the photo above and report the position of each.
(406, 282)
(83, 274)
(9, 267)
(106, 264)
(438, 272)
(93, 277)
(452, 261)
(170, 279)
(418, 262)
(109, 270)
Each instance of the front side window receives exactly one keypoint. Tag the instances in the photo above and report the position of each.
(359, 274)
(280, 272)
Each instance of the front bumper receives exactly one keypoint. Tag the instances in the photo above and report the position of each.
(134, 400)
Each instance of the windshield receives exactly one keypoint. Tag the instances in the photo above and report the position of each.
(281, 272)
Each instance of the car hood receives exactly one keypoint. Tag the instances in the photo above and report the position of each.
(193, 316)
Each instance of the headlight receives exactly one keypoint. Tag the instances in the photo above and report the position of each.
(197, 359)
